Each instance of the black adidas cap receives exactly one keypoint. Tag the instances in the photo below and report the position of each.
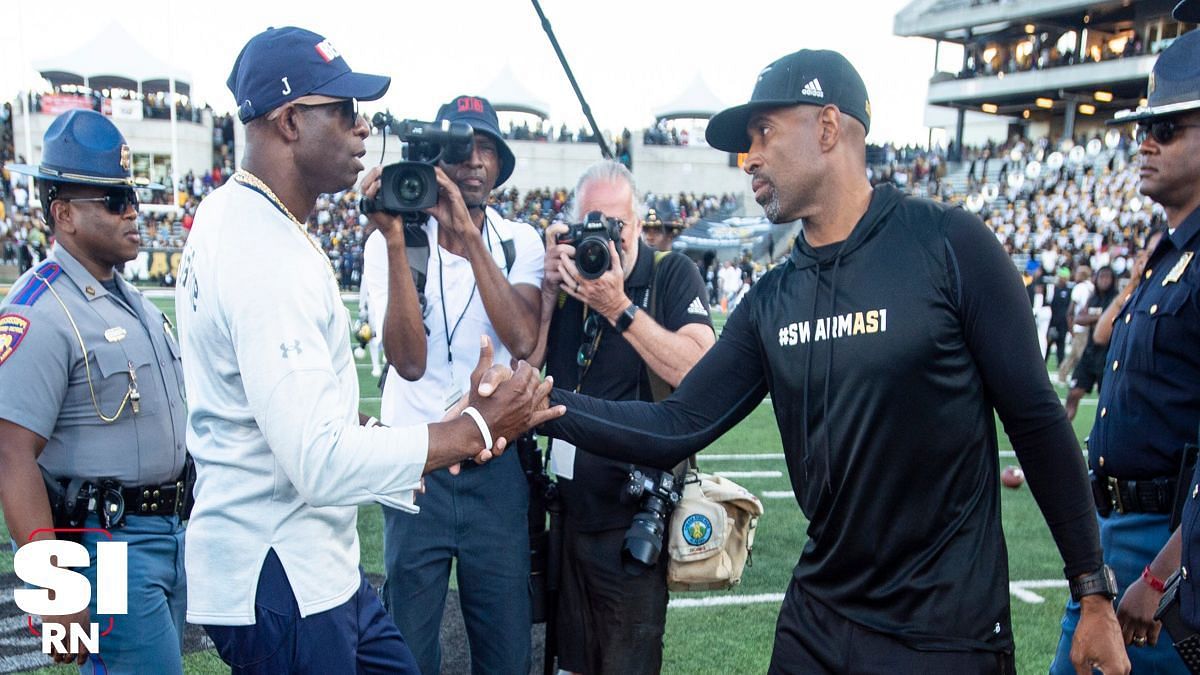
(807, 77)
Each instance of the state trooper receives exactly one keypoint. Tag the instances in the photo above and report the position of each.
(92, 409)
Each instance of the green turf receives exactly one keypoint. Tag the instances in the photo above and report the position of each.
(737, 639)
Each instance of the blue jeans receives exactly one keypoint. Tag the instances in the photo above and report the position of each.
(1130, 542)
(355, 637)
(149, 639)
(480, 518)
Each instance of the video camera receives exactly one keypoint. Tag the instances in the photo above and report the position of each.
(590, 239)
(644, 539)
(409, 187)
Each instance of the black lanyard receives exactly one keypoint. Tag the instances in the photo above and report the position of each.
(487, 224)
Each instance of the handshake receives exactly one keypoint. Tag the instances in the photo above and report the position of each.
(501, 405)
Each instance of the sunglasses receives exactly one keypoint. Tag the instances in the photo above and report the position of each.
(587, 350)
(1162, 131)
(347, 109)
(116, 200)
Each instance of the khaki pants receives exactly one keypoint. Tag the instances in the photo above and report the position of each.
(1078, 344)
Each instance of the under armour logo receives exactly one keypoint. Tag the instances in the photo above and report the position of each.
(287, 87)
(295, 347)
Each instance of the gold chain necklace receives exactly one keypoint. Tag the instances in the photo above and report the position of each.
(248, 179)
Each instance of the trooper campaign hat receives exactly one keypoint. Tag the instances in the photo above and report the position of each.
(806, 77)
(85, 148)
(479, 113)
(280, 65)
(1174, 84)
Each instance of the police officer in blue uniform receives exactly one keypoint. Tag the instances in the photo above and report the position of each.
(1149, 408)
(92, 400)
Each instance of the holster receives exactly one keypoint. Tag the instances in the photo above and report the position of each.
(1185, 640)
(1100, 493)
(70, 501)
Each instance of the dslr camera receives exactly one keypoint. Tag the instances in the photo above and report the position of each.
(658, 495)
(590, 239)
(409, 187)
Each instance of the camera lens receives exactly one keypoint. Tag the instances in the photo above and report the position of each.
(592, 257)
(410, 187)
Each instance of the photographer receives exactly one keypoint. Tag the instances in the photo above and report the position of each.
(600, 337)
(481, 276)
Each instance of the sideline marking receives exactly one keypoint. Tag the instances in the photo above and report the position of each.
(778, 494)
(750, 474)
(1019, 589)
(733, 458)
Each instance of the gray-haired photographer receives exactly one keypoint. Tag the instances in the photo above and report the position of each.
(617, 321)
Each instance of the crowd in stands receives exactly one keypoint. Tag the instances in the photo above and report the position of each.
(154, 104)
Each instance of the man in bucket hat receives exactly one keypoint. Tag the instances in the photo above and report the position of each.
(482, 275)
(93, 399)
(889, 341)
(283, 457)
(1149, 409)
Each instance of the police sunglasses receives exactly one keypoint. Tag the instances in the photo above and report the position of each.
(591, 331)
(116, 200)
(1162, 131)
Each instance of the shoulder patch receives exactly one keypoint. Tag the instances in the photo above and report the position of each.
(34, 288)
(13, 328)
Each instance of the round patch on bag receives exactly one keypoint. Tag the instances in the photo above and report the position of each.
(697, 529)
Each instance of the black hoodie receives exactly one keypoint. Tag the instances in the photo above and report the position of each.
(885, 356)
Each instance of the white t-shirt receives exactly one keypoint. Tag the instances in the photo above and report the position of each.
(273, 426)
(453, 303)
(1080, 296)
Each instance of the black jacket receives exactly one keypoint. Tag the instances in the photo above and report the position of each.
(885, 356)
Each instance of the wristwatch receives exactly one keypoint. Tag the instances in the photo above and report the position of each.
(1101, 582)
(626, 318)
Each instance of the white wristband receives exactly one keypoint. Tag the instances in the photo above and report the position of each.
(483, 427)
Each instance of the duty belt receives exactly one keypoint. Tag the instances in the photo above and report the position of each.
(1155, 495)
(167, 499)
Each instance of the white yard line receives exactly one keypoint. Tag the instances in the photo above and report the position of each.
(702, 457)
(778, 494)
(1019, 589)
(750, 474)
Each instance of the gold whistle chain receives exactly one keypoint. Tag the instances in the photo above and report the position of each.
(246, 178)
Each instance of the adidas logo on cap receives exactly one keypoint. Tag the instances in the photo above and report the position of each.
(813, 88)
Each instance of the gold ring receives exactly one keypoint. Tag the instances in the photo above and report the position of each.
(1140, 640)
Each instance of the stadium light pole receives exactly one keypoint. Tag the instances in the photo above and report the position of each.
(26, 97)
(174, 121)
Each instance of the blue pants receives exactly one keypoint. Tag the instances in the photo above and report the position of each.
(355, 637)
(480, 518)
(1130, 542)
(149, 639)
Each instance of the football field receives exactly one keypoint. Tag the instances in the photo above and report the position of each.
(727, 632)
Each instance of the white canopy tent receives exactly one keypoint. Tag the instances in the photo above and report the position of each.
(113, 58)
(696, 102)
(507, 94)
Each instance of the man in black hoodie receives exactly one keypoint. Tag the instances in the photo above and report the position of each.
(887, 342)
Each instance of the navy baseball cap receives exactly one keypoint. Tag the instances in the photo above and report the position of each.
(806, 77)
(83, 147)
(280, 65)
(1187, 10)
(478, 112)
(1174, 84)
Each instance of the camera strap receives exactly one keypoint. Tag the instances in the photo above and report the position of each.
(416, 243)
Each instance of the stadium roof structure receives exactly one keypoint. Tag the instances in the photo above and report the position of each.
(507, 94)
(696, 102)
(1043, 60)
(114, 58)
